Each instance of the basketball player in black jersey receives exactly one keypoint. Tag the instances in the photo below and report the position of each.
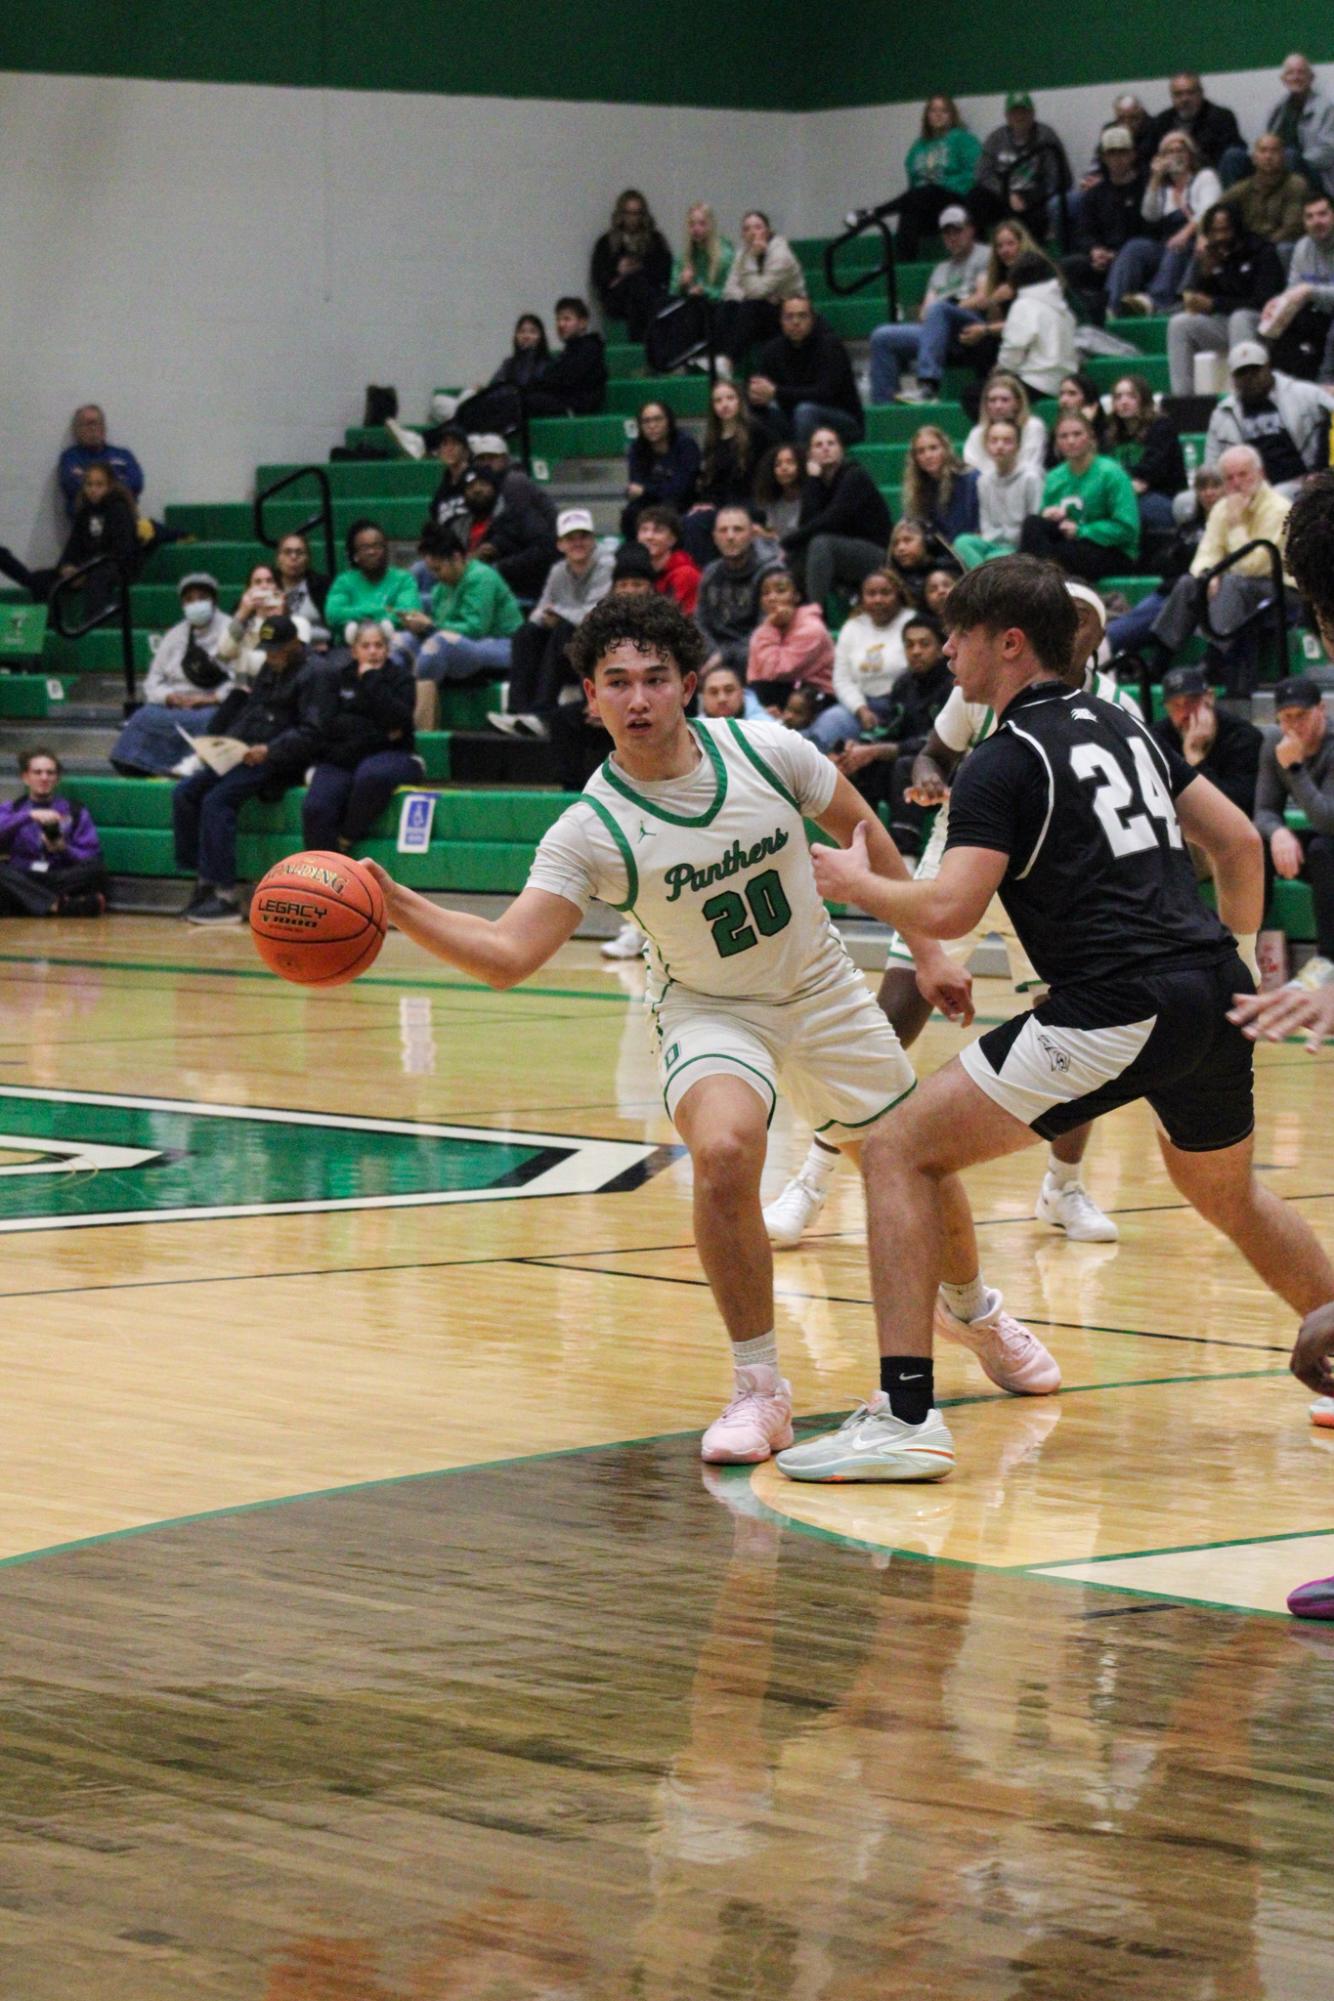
(1079, 819)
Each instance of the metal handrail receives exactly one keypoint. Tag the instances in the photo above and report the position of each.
(887, 269)
(119, 609)
(322, 518)
(1274, 608)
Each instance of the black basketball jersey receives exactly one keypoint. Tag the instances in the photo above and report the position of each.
(1080, 797)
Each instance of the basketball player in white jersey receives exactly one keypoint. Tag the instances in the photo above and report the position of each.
(695, 831)
(1063, 1201)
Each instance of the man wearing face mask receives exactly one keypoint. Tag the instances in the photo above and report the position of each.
(183, 686)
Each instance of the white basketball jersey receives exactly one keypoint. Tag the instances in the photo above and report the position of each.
(726, 895)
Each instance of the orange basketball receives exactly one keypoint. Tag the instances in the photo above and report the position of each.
(318, 919)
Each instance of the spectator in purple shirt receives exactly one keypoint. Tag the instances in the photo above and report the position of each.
(89, 429)
(50, 857)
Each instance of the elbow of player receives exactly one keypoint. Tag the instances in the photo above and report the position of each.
(502, 975)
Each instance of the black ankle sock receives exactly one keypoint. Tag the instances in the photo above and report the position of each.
(909, 1383)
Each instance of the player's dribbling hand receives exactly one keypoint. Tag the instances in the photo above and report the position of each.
(1314, 1346)
(388, 887)
(840, 872)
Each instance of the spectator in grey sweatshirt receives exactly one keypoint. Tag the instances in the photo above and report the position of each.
(538, 670)
(1008, 488)
(727, 609)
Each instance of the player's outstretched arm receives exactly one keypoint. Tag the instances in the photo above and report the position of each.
(500, 951)
(947, 907)
(1212, 822)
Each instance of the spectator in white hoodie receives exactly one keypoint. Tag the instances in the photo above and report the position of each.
(868, 660)
(1009, 489)
(1038, 342)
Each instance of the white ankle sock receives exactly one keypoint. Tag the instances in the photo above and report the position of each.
(1063, 1172)
(762, 1352)
(819, 1163)
(966, 1302)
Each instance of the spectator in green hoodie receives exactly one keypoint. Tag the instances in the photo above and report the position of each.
(371, 587)
(474, 615)
(1089, 522)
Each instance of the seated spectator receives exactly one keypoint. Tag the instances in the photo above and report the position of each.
(941, 167)
(579, 741)
(371, 587)
(924, 346)
(882, 769)
(1129, 630)
(303, 589)
(105, 524)
(1038, 340)
(1089, 522)
(732, 445)
(1230, 280)
(1224, 747)
(1297, 768)
(530, 351)
(1004, 396)
(88, 427)
(1008, 491)
(491, 453)
(1303, 118)
(723, 692)
(727, 609)
(1269, 202)
(1079, 393)
(915, 553)
(528, 356)
(700, 272)
(804, 377)
(1022, 168)
(777, 489)
(282, 720)
(1299, 323)
(571, 383)
(1212, 127)
(1178, 194)
(448, 506)
(538, 666)
(843, 524)
(474, 616)
(238, 650)
(1249, 511)
(661, 465)
(1148, 447)
(1127, 110)
(790, 648)
(675, 574)
(366, 745)
(764, 272)
(1110, 217)
(938, 489)
(182, 688)
(510, 525)
(50, 857)
(1286, 421)
(968, 329)
(869, 657)
(936, 588)
(632, 265)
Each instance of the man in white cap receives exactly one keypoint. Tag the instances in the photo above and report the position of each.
(581, 579)
(1109, 215)
(939, 317)
(1287, 421)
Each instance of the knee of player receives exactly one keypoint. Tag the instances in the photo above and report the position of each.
(728, 1163)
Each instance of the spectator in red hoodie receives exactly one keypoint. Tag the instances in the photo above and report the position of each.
(674, 573)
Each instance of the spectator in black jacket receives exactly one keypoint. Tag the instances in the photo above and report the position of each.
(490, 453)
(661, 466)
(803, 378)
(1022, 169)
(880, 765)
(105, 524)
(510, 530)
(1109, 215)
(632, 265)
(572, 383)
(1225, 747)
(454, 452)
(366, 749)
(1212, 126)
(1231, 279)
(1148, 447)
(281, 719)
(843, 527)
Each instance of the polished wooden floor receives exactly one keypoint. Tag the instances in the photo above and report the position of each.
(371, 1632)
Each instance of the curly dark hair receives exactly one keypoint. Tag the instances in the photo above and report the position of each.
(1308, 547)
(656, 626)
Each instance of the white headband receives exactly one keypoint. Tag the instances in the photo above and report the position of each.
(1084, 595)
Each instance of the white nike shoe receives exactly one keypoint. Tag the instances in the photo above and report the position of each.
(790, 1214)
(1014, 1359)
(628, 943)
(1322, 1413)
(873, 1444)
(1071, 1208)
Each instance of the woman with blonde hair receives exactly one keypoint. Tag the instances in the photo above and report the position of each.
(701, 270)
(938, 488)
(1004, 398)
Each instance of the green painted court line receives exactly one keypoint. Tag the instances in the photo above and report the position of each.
(1183, 1548)
(260, 973)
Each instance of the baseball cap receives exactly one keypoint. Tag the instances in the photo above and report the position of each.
(1085, 594)
(488, 444)
(1018, 100)
(199, 580)
(1298, 693)
(632, 560)
(1247, 354)
(1116, 139)
(952, 217)
(277, 632)
(574, 521)
(1184, 681)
